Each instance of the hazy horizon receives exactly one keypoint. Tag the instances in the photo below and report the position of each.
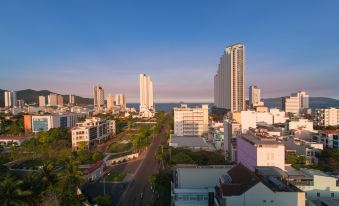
(67, 47)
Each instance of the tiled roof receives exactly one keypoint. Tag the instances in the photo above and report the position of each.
(95, 167)
(242, 180)
(6, 137)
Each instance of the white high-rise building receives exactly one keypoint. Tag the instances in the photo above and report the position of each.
(10, 98)
(296, 103)
(146, 96)
(42, 101)
(229, 82)
(71, 100)
(98, 96)
(120, 100)
(190, 121)
(110, 102)
(254, 97)
(327, 117)
(52, 99)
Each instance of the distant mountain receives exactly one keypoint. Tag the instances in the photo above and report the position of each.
(315, 102)
(31, 96)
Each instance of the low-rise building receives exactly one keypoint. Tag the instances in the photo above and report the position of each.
(249, 119)
(255, 149)
(38, 123)
(299, 123)
(193, 143)
(194, 185)
(18, 140)
(315, 184)
(95, 172)
(91, 132)
(330, 138)
(241, 186)
(302, 147)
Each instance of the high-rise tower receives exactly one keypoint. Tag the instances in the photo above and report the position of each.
(146, 94)
(229, 81)
(98, 96)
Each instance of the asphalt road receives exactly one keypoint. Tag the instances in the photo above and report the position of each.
(140, 184)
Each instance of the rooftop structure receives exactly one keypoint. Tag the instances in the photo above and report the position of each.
(241, 186)
(257, 149)
(186, 190)
(194, 143)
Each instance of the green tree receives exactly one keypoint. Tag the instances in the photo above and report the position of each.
(70, 179)
(329, 159)
(97, 156)
(295, 160)
(103, 200)
(182, 158)
(11, 193)
(46, 176)
(82, 145)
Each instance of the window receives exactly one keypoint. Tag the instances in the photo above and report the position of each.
(332, 194)
(318, 194)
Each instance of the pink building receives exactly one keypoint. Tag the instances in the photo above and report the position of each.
(260, 151)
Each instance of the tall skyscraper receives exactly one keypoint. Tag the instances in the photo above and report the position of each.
(60, 100)
(10, 98)
(42, 101)
(98, 96)
(71, 100)
(146, 94)
(110, 102)
(20, 103)
(229, 81)
(120, 100)
(254, 97)
(53, 99)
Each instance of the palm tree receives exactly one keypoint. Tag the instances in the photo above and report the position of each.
(70, 179)
(46, 177)
(11, 193)
(71, 174)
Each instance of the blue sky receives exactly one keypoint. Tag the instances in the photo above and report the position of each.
(67, 46)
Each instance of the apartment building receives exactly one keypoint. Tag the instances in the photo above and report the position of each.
(296, 103)
(229, 81)
(257, 149)
(327, 117)
(91, 132)
(330, 138)
(190, 121)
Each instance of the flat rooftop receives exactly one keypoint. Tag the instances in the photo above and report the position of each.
(260, 140)
(188, 142)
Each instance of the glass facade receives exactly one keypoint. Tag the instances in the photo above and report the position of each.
(63, 122)
(40, 124)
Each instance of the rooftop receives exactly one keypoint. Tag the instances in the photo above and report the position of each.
(95, 167)
(240, 179)
(260, 140)
(188, 141)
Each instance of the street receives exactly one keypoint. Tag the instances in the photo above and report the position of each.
(138, 191)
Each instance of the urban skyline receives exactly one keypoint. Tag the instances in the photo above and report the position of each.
(181, 56)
